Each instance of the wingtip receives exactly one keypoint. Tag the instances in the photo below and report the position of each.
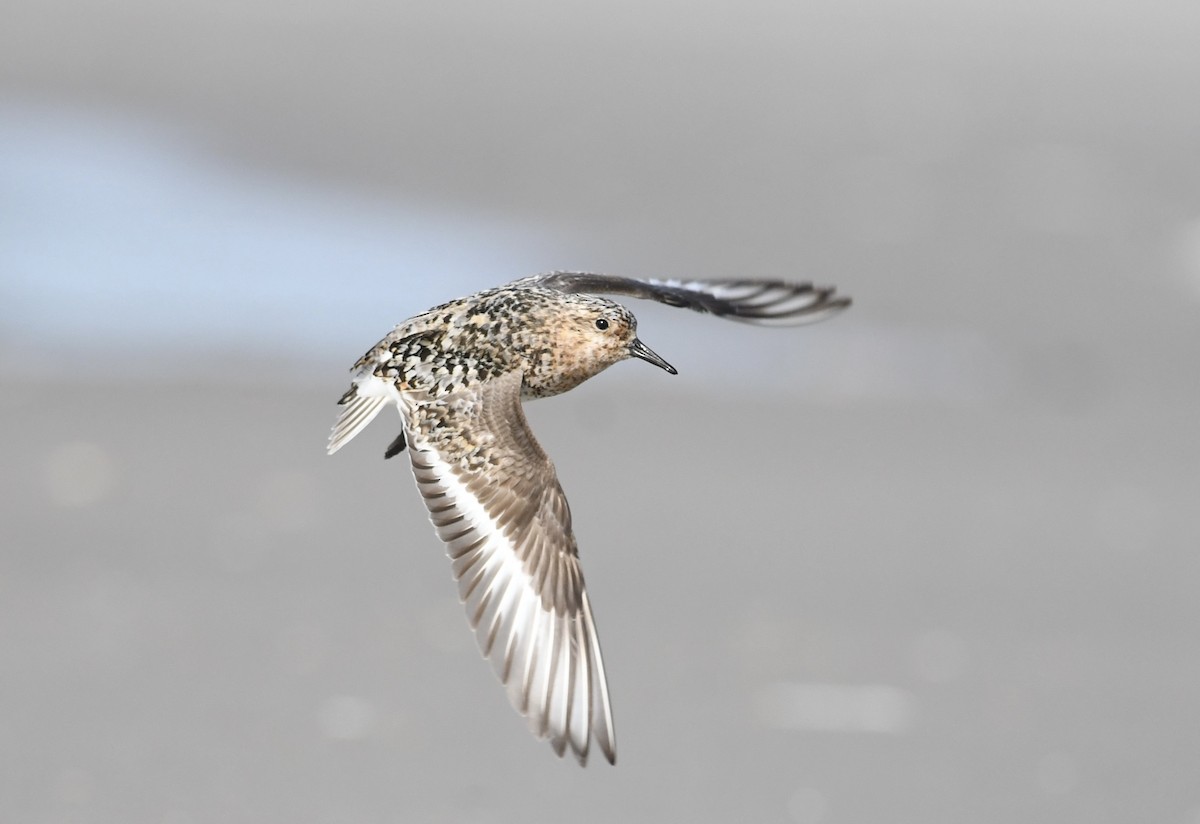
(581, 755)
(559, 745)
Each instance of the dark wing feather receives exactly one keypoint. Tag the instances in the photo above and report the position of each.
(495, 500)
(761, 302)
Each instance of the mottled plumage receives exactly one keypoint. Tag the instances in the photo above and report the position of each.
(458, 374)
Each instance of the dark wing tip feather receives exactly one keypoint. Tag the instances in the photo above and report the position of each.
(395, 447)
(766, 302)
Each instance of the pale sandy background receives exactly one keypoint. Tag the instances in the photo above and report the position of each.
(933, 561)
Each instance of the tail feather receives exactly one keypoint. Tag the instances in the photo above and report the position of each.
(357, 412)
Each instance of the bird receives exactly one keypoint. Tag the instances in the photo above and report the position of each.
(457, 374)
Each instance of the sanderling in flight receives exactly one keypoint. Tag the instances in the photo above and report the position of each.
(458, 374)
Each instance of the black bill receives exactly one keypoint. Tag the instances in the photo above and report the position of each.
(641, 350)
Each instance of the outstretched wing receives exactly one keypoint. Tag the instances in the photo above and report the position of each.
(495, 500)
(761, 302)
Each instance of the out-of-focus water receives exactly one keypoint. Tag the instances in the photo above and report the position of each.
(126, 236)
(126, 245)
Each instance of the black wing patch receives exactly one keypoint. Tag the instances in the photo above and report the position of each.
(395, 447)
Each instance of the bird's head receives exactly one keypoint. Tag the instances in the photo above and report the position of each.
(606, 332)
(589, 335)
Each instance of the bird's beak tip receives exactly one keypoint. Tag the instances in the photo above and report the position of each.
(640, 350)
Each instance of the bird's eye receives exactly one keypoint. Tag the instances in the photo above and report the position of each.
(601, 323)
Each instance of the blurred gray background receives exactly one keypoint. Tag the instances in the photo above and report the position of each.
(932, 561)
